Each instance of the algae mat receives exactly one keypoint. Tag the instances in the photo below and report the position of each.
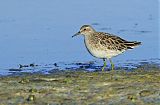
(138, 87)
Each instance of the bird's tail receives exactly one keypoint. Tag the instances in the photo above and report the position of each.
(133, 44)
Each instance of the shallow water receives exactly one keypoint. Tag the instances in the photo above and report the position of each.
(40, 31)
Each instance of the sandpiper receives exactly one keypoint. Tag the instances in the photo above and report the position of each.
(104, 45)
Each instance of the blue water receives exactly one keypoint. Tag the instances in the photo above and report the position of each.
(39, 31)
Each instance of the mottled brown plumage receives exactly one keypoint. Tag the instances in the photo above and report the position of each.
(112, 42)
(104, 45)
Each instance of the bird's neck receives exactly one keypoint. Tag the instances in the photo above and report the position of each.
(89, 34)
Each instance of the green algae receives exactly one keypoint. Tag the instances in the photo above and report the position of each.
(139, 87)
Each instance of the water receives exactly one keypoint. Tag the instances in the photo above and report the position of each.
(39, 32)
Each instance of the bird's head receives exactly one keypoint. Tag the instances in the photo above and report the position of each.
(85, 30)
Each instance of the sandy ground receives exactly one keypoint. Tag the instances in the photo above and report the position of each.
(138, 87)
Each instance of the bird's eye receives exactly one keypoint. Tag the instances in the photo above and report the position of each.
(85, 29)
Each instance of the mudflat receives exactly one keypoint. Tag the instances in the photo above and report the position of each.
(137, 87)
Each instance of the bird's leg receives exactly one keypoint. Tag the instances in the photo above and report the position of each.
(104, 65)
(112, 68)
(112, 65)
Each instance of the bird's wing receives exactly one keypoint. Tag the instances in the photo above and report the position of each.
(113, 42)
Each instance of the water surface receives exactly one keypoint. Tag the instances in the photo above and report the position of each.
(39, 32)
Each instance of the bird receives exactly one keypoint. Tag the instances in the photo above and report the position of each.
(104, 45)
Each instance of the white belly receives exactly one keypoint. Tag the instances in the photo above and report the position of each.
(101, 53)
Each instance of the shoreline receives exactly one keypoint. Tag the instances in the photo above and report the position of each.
(82, 87)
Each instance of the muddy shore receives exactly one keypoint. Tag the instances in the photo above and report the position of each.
(137, 87)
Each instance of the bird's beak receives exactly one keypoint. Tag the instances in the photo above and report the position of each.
(76, 34)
